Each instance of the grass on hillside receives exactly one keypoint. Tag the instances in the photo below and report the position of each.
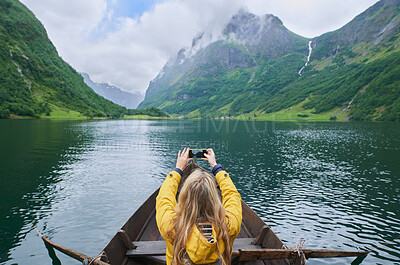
(63, 113)
(297, 113)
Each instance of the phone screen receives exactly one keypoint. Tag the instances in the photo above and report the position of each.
(197, 153)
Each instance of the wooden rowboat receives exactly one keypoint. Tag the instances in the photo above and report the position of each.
(139, 242)
(150, 246)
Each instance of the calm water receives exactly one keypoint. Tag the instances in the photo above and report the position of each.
(336, 185)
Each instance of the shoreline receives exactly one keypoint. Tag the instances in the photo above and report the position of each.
(141, 117)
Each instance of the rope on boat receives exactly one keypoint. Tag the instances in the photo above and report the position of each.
(299, 249)
(300, 246)
(98, 257)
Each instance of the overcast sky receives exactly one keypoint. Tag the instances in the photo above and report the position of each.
(127, 42)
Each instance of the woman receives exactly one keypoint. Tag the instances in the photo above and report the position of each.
(199, 229)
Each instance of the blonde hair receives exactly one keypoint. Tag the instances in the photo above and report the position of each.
(199, 201)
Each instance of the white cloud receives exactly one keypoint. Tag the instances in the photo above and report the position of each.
(68, 19)
(132, 55)
(129, 52)
(311, 18)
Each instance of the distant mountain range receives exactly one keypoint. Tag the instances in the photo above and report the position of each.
(113, 93)
(258, 67)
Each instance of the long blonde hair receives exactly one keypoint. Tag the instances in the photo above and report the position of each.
(199, 201)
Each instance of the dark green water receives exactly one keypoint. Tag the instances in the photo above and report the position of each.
(336, 185)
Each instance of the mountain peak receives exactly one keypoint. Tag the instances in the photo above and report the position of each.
(244, 28)
(251, 29)
(246, 19)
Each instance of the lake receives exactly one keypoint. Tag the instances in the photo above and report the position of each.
(335, 185)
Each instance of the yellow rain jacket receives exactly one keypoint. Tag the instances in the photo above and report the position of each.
(200, 251)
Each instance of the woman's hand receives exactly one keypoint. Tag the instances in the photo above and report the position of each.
(183, 158)
(210, 157)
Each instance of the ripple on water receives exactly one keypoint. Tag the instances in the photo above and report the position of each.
(311, 192)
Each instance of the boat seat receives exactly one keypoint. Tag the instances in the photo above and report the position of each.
(158, 248)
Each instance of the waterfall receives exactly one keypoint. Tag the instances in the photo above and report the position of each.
(28, 84)
(308, 57)
(348, 106)
(255, 63)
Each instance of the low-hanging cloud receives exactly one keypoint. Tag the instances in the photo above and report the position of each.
(129, 52)
(311, 18)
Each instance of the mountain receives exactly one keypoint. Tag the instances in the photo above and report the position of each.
(359, 65)
(257, 67)
(114, 93)
(34, 80)
(227, 70)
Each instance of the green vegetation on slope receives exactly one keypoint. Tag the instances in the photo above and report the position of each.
(372, 85)
(32, 75)
(210, 87)
(380, 100)
(276, 86)
(35, 81)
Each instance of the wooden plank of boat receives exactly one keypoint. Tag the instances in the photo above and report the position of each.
(155, 248)
(158, 248)
(246, 251)
(254, 254)
(142, 227)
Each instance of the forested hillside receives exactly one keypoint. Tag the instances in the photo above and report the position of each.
(35, 81)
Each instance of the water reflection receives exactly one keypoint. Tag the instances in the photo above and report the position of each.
(30, 155)
(334, 184)
(52, 254)
(329, 186)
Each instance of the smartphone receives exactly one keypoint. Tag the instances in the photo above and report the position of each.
(197, 153)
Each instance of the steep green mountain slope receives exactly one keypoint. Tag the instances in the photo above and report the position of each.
(359, 63)
(34, 80)
(255, 53)
(257, 68)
